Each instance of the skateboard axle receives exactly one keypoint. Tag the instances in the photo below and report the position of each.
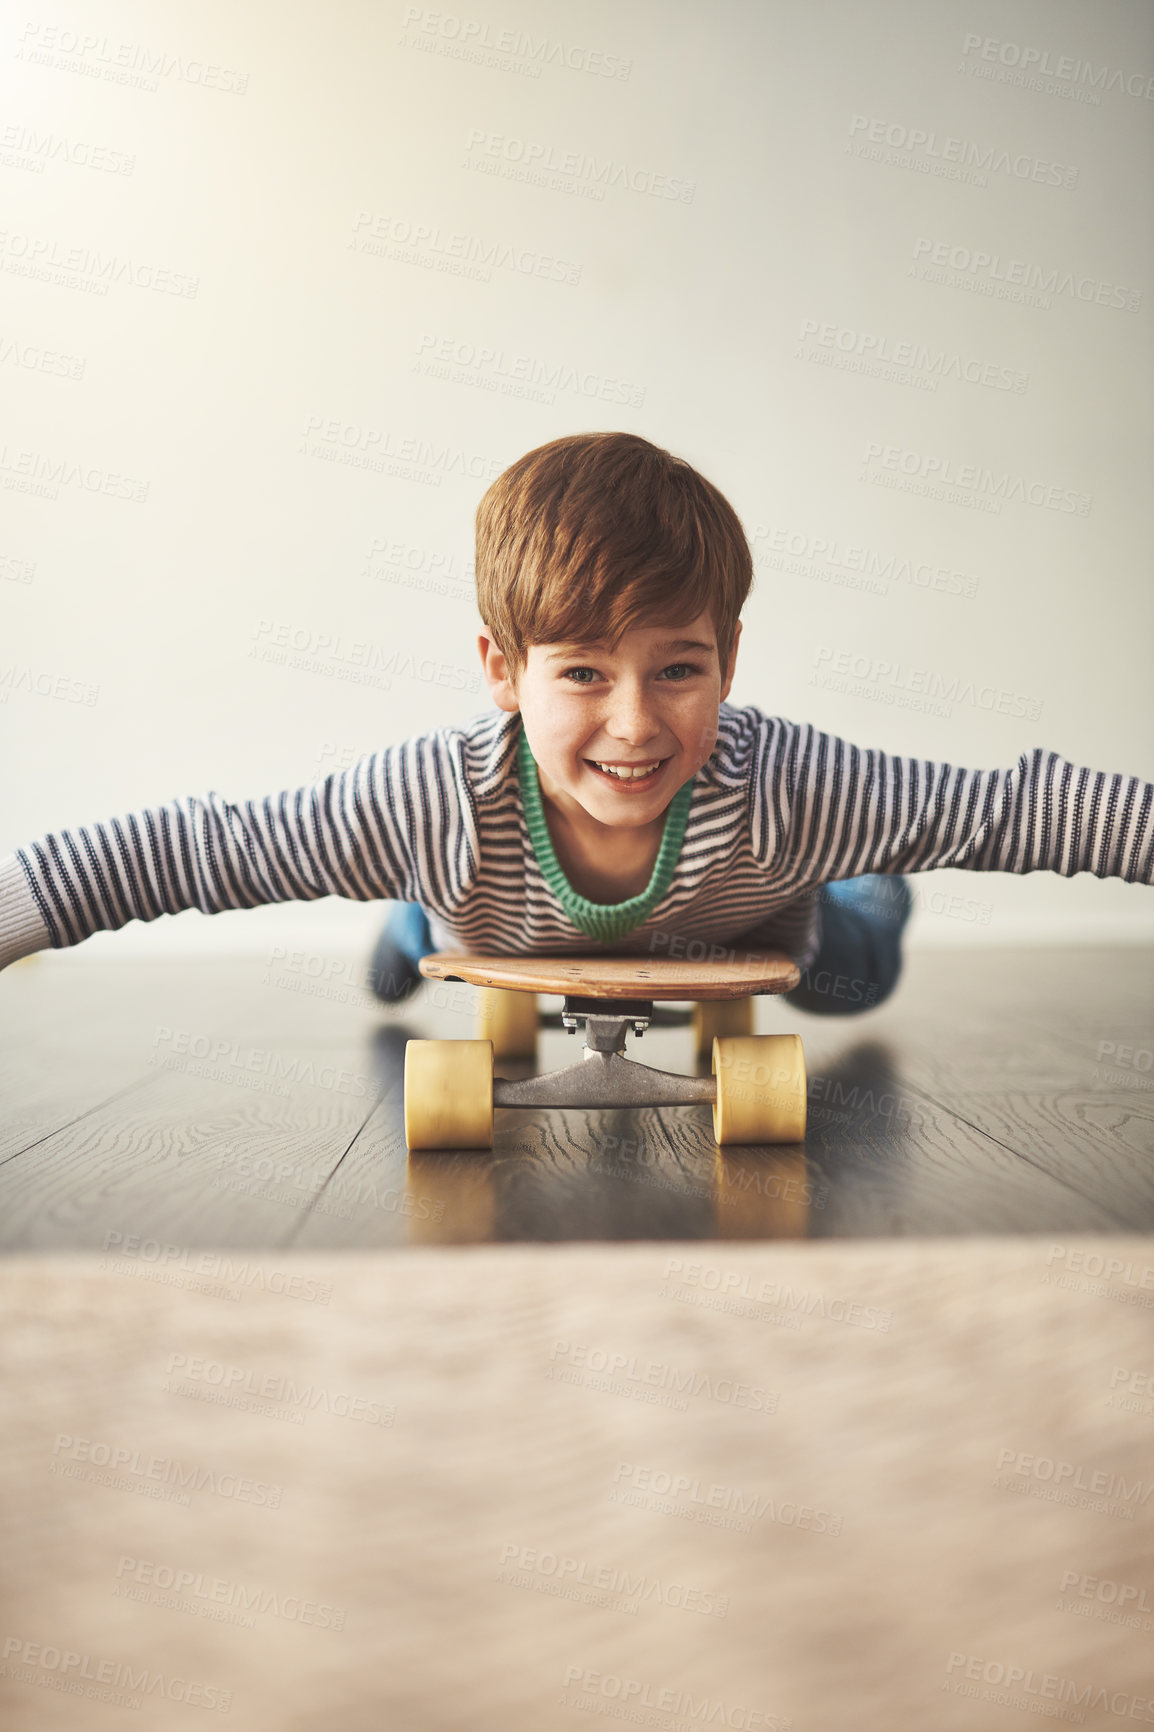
(605, 1077)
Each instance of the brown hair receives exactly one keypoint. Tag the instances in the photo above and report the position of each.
(594, 534)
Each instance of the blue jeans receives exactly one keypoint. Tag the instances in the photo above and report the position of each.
(857, 964)
(860, 955)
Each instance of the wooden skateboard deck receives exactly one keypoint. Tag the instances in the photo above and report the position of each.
(621, 977)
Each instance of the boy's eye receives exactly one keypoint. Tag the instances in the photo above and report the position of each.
(689, 667)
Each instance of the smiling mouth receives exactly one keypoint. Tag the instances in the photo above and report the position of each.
(628, 776)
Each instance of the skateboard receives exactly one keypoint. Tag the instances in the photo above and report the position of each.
(757, 1088)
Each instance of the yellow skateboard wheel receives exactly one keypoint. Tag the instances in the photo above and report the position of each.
(719, 1016)
(449, 1094)
(509, 1020)
(761, 1094)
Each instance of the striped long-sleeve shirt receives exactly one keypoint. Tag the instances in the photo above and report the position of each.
(452, 819)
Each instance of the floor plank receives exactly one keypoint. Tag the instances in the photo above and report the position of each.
(182, 1161)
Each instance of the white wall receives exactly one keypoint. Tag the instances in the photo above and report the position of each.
(739, 322)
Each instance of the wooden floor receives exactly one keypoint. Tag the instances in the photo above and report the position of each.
(253, 1466)
(247, 1104)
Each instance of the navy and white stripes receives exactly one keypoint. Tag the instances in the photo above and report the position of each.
(778, 809)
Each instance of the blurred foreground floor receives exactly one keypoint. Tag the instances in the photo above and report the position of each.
(899, 1486)
(251, 1104)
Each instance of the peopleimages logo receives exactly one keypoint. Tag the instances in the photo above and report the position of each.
(1071, 1483)
(671, 1378)
(460, 254)
(1002, 1678)
(478, 364)
(592, 1691)
(51, 472)
(528, 158)
(1078, 1264)
(1097, 1480)
(521, 1566)
(119, 62)
(883, 681)
(127, 1249)
(477, 40)
(37, 148)
(69, 1671)
(992, 268)
(739, 1283)
(1107, 1592)
(39, 252)
(146, 1579)
(932, 151)
(237, 1382)
(14, 352)
(228, 1060)
(166, 1472)
(997, 484)
(918, 356)
(716, 1505)
(1037, 63)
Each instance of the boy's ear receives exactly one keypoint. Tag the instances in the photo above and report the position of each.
(497, 675)
(728, 680)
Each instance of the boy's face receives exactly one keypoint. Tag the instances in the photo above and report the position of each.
(655, 700)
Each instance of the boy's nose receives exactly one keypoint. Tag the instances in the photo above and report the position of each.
(632, 722)
(632, 739)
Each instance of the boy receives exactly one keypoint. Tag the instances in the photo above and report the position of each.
(615, 800)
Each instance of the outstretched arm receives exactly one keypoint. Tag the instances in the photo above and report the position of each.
(847, 810)
(377, 829)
